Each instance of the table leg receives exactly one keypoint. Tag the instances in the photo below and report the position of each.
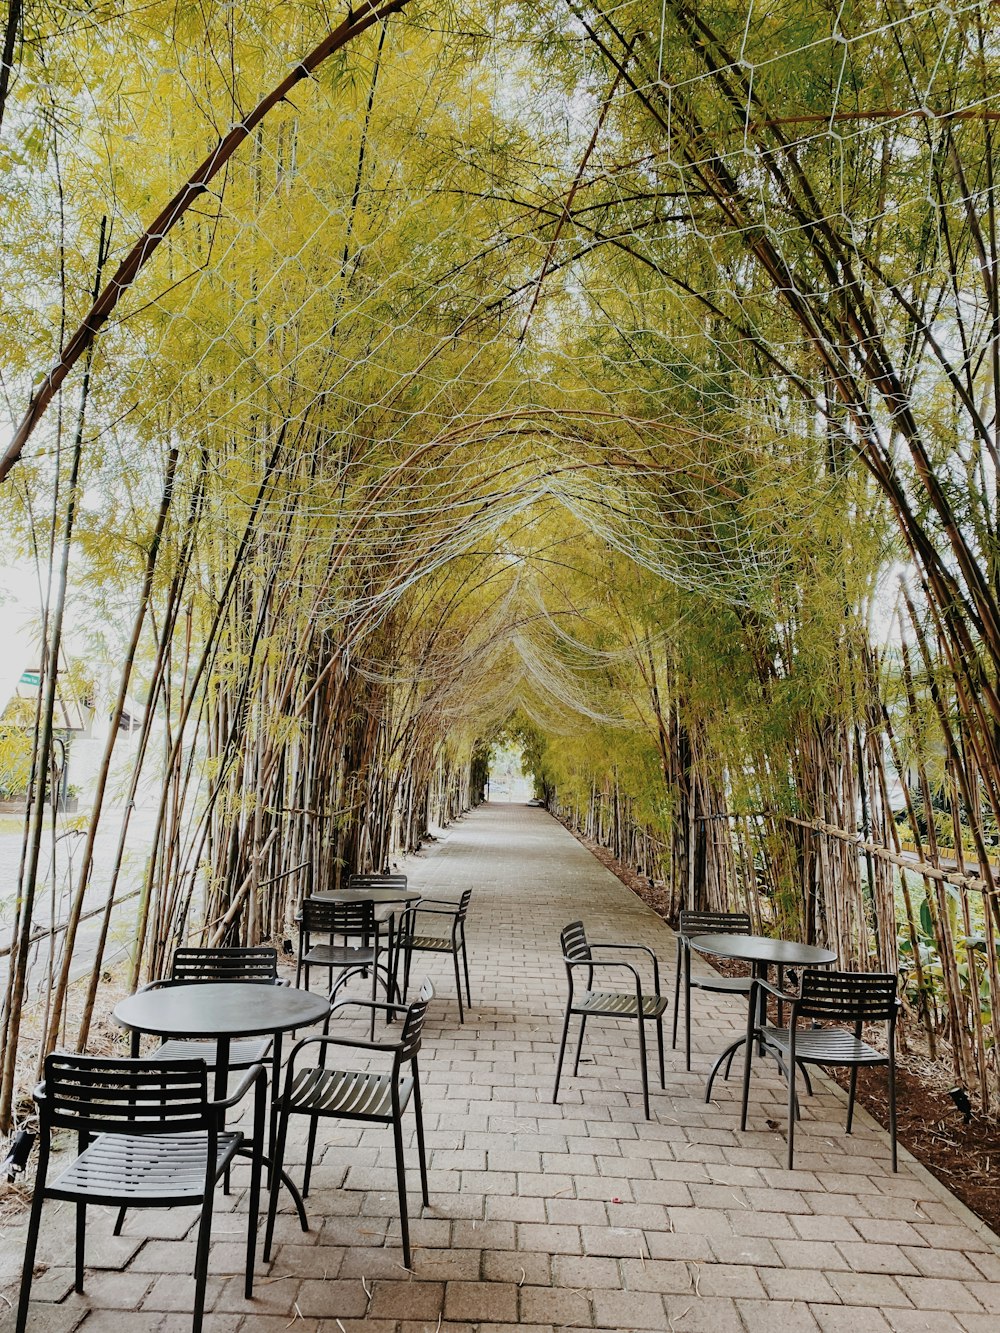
(272, 1130)
(221, 1068)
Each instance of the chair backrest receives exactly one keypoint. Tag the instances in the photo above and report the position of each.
(94, 1095)
(376, 880)
(714, 923)
(857, 997)
(327, 918)
(463, 905)
(192, 964)
(413, 1023)
(574, 943)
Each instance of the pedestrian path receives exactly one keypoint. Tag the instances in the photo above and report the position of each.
(580, 1215)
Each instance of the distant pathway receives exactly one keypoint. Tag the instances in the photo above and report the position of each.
(579, 1215)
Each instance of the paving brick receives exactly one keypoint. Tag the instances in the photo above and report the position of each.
(406, 1300)
(481, 1301)
(769, 1316)
(875, 1289)
(560, 1306)
(705, 1314)
(838, 1319)
(628, 1309)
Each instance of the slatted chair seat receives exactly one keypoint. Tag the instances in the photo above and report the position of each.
(822, 1046)
(138, 1169)
(619, 1004)
(644, 1008)
(243, 1052)
(352, 1095)
(429, 943)
(339, 955)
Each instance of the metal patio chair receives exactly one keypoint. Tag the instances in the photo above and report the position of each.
(350, 922)
(704, 923)
(411, 942)
(577, 952)
(148, 1137)
(191, 965)
(855, 998)
(375, 1096)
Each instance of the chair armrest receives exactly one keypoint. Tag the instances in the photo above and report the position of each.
(759, 984)
(254, 1073)
(369, 1004)
(433, 911)
(441, 902)
(642, 948)
(160, 983)
(359, 1043)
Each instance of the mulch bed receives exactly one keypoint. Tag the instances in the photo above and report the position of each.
(965, 1158)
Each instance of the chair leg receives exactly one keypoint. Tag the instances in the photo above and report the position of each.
(659, 1048)
(81, 1244)
(388, 997)
(277, 1162)
(458, 985)
(201, 1261)
(579, 1045)
(850, 1098)
(562, 1054)
(260, 1118)
(687, 1010)
(791, 1112)
(31, 1244)
(677, 990)
(310, 1149)
(119, 1221)
(891, 1069)
(465, 968)
(418, 1112)
(645, 1071)
(406, 972)
(748, 1057)
(404, 1221)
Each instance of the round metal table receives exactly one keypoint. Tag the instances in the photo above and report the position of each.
(221, 1010)
(761, 952)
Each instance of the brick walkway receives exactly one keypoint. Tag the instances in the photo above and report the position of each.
(580, 1215)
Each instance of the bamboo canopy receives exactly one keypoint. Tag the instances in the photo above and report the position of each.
(614, 382)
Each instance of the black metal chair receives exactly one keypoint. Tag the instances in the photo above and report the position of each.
(704, 923)
(148, 1137)
(378, 1096)
(385, 915)
(855, 998)
(191, 965)
(577, 952)
(411, 942)
(348, 921)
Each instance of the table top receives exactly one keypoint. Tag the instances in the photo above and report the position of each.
(220, 1009)
(368, 896)
(763, 949)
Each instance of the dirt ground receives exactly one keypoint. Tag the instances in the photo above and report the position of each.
(964, 1157)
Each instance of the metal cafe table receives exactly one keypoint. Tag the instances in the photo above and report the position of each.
(761, 952)
(222, 1011)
